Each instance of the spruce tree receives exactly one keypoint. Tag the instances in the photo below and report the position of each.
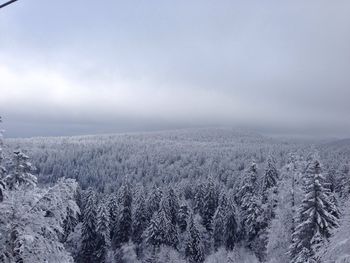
(21, 172)
(173, 204)
(231, 230)
(248, 184)
(124, 226)
(153, 201)
(219, 222)
(103, 233)
(183, 217)
(251, 205)
(171, 234)
(194, 246)
(88, 231)
(270, 176)
(199, 200)
(156, 232)
(343, 179)
(113, 210)
(315, 216)
(140, 221)
(209, 206)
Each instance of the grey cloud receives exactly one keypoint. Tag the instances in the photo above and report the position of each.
(177, 64)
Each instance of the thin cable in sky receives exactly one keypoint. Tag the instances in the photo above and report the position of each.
(7, 3)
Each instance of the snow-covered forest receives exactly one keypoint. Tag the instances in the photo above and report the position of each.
(196, 195)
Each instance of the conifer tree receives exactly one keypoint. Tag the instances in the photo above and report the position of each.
(247, 184)
(103, 233)
(315, 216)
(173, 204)
(343, 178)
(231, 230)
(124, 226)
(156, 232)
(69, 223)
(153, 201)
(251, 205)
(199, 200)
(89, 235)
(270, 176)
(209, 206)
(194, 246)
(171, 234)
(21, 172)
(139, 221)
(220, 222)
(183, 217)
(113, 210)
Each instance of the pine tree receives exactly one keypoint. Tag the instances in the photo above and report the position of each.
(20, 174)
(183, 217)
(220, 222)
(248, 183)
(194, 246)
(113, 210)
(199, 200)
(153, 201)
(209, 206)
(315, 216)
(251, 205)
(139, 221)
(69, 223)
(171, 235)
(268, 206)
(231, 230)
(173, 204)
(103, 233)
(156, 232)
(124, 226)
(270, 176)
(89, 235)
(343, 178)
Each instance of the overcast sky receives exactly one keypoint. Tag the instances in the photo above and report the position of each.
(83, 66)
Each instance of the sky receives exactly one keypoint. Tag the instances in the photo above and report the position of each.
(85, 67)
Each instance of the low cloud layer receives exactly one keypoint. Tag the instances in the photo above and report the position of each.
(71, 67)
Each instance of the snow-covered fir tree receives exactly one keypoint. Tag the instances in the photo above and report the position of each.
(183, 216)
(139, 221)
(270, 175)
(173, 205)
(231, 229)
(103, 241)
(171, 233)
(89, 224)
(113, 211)
(153, 201)
(251, 204)
(209, 206)
(194, 246)
(343, 181)
(315, 216)
(20, 174)
(219, 222)
(32, 223)
(199, 199)
(124, 225)
(156, 233)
